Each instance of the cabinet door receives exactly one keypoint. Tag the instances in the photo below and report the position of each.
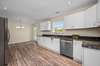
(98, 13)
(91, 57)
(47, 42)
(39, 41)
(56, 45)
(74, 21)
(77, 51)
(90, 17)
(52, 44)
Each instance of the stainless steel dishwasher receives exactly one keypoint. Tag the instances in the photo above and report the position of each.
(66, 48)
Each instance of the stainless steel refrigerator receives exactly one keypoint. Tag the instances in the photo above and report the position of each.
(4, 38)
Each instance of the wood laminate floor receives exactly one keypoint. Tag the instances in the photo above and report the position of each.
(30, 55)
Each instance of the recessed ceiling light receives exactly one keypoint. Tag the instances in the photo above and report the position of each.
(5, 8)
(69, 2)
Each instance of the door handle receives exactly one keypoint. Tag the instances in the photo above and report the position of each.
(8, 35)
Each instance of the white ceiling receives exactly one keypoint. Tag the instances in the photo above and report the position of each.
(39, 9)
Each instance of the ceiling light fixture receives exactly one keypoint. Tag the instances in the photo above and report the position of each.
(20, 26)
(5, 8)
(69, 2)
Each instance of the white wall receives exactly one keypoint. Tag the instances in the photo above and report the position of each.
(19, 35)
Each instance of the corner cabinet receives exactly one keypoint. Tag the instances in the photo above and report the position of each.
(74, 21)
(45, 26)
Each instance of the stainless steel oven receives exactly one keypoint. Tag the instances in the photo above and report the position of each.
(66, 48)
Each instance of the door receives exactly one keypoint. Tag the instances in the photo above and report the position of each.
(1, 42)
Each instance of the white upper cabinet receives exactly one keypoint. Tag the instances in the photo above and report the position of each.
(45, 25)
(90, 17)
(74, 21)
(98, 13)
(84, 19)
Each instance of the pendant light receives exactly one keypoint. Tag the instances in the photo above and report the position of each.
(20, 26)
